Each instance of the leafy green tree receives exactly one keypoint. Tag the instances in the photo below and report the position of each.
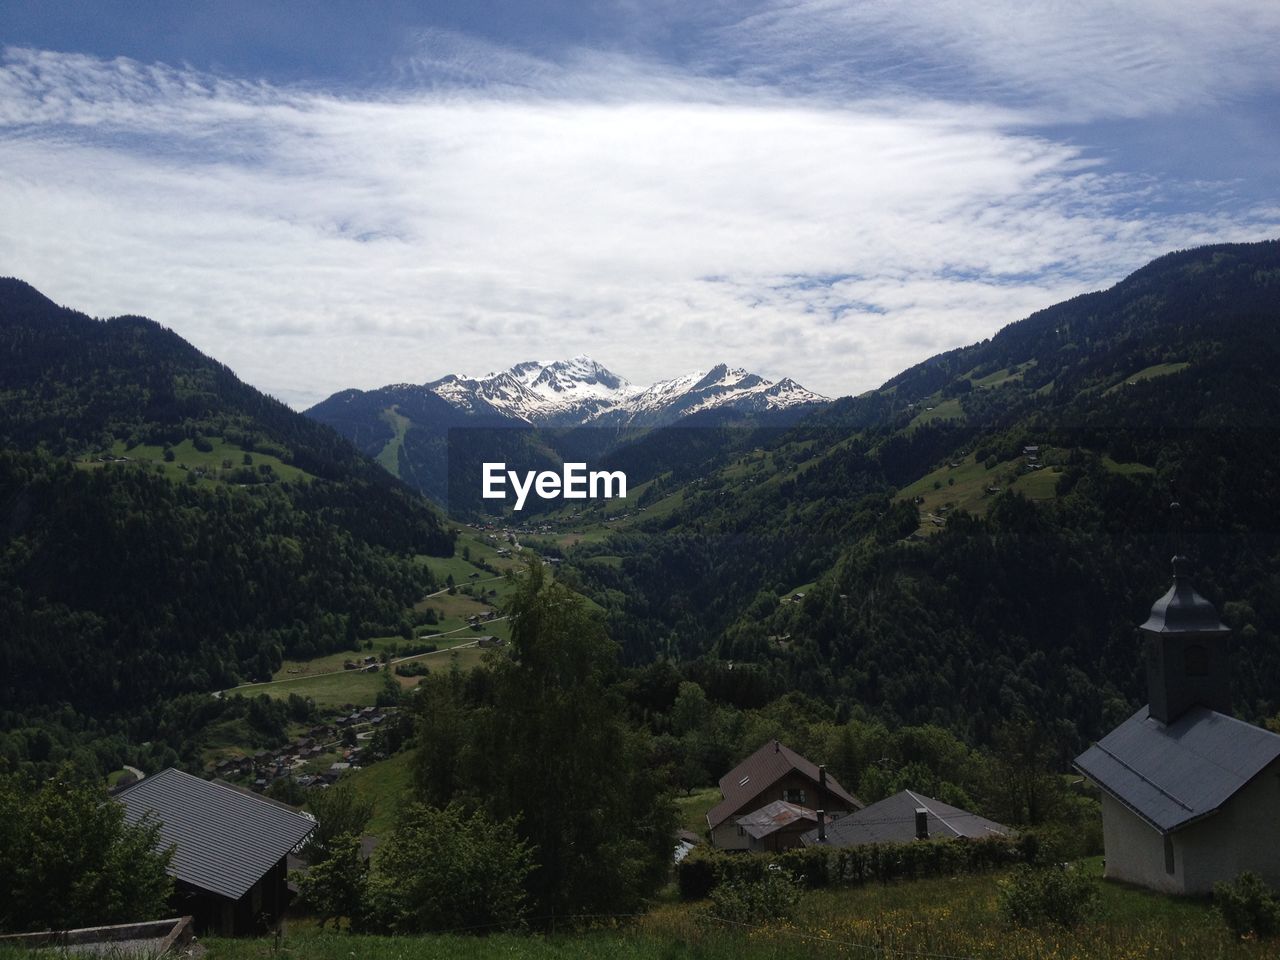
(340, 812)
(336, 886)
(442, 869)
(1022, 787)
(389, 694)
(69, 859)
(443, 737)
(552, 751)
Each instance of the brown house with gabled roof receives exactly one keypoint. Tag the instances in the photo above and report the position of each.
(774, 772)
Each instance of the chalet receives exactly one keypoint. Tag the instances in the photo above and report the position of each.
(774, 772)
(229, 849)
(902, 818)
(1189, 792)
(489, 641)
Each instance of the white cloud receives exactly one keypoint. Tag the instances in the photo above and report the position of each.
(315, 242)
(1069, 61)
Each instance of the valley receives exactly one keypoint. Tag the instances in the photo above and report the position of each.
(932, 586)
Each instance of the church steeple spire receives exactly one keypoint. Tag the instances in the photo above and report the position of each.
(1186, 650)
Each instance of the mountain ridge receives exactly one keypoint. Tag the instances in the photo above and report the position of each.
(167, 528)
(989, 525)
(582, 392)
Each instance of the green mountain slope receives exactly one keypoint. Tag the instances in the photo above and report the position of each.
(165, 527)
(962, 578)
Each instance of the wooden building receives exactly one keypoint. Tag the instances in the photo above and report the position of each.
(229, 849)
(774, 772)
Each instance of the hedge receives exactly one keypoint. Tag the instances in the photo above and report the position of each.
(703, 869)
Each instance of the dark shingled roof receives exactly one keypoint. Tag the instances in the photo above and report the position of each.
(759, 771)
(774, 816)
(1171, 775)
(893, 820)
(225, 841)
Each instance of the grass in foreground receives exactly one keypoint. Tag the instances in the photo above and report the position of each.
(946, 917)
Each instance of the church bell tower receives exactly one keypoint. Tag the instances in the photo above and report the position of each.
(1186, 652)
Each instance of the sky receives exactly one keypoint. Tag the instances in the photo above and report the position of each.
(351, 194)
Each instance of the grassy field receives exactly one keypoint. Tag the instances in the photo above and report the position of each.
(693, 809)
(387, 784)
(946, 410)
(360, 689)
(389, 456)
(324, 679)
(951, 918)
(965, 487)
(1001, 377)
(1127, 469)
(328, 690)
(1039, 485)
(218, 464)
(605, 561)
(1148, 373)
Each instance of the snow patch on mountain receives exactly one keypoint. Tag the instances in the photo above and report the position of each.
(580, 391)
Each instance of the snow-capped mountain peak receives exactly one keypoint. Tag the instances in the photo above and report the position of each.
(580, 391)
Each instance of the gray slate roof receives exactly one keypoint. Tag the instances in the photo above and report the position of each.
(224, 840)
(1171, 775)
(893, 820)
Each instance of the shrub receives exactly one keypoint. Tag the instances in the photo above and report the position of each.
(442, 869)
(696, 876)
(336, 886)
(772, 897)
(811, 866)
(68, 857)
(1247, 906)
(700, 872)
(1055, 894)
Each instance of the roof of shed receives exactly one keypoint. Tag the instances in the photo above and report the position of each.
(224, 840)
(774, 816)
(1173, 774)
(893, 820)
(759, 771)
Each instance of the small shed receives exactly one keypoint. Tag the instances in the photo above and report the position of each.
(229, 849)
(778, 826)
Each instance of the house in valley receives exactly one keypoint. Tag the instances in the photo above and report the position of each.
(773, 773)
(229, 849)
(1189, 793)
(902, 818)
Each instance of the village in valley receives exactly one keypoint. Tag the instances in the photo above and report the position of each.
(792, 480)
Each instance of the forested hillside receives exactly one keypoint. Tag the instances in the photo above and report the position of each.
(166, 528)
(977, 538)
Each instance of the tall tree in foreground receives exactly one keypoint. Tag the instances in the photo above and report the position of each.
(68, 859)
(549, 748)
